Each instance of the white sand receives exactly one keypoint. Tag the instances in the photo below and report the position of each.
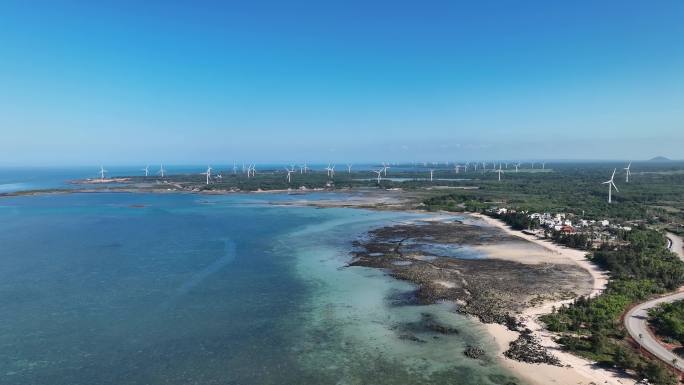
(577, 371)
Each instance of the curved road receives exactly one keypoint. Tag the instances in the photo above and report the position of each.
(636, 319)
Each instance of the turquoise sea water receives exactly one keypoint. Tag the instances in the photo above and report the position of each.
(188, 289)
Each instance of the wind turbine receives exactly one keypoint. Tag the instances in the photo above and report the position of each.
(516, 167)
(251, 170)
(628, 172)
(208, 173)
(611, 184)
(385, 166)
(289, 173)
(499, 171)
(147, 170)
(379, 172)
(102, 172)
(306, 168)
(235, 167)
(161, 170)
(349, 166)
(543, 165)
(330, 170)
(432, 171)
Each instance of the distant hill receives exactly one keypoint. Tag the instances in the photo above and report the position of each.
(660, 159)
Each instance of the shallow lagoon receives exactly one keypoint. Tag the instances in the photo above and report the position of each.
(188, 289)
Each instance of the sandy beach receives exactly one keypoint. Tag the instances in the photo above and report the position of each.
(577, 371)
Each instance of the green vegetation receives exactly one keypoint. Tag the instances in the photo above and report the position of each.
(668, 321)
(592, 326)
(654, 195)
(640, 264)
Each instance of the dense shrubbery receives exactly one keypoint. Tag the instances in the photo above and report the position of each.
(668, 320)
(575, 241)
(518, 221)
(642, 269)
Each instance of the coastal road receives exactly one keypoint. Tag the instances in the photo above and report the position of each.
(676, 245)
(636, 320)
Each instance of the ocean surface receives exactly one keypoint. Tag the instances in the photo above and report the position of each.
(121, 288)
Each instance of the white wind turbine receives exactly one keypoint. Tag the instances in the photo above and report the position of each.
(102, 172)
(628, 172)
(349, 166)
(543, 165)
(161, 170)
(251, 170)
(516, 166)
(306, 168)
(385, 166)
(234, 167)
(146, 169)
(432, 171)
(499, 171)
(611, 184)
(289, 173)
(330, 170)
(208, 173)
(379, 172)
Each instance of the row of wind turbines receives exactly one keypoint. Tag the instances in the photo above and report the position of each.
(250, 171)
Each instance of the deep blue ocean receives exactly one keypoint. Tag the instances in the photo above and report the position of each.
(122, 288)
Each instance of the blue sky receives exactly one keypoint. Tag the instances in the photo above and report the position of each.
(214, 81)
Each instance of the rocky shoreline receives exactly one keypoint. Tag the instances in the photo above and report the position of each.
(440, 259)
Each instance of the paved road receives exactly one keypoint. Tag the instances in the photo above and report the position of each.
(636, 319)
(676, 244)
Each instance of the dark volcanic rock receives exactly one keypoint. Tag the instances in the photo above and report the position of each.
(527, 349)
(474, 352)
(490, 289)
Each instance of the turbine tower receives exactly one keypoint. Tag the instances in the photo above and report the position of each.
(379, 172)
(349, 166)
(432, 171)
(102, 173)
(161, 170)
(628, 172)
(385, 166)
(208, 173)
(147, 170)
(611, 184)
(289, 173)
(499, 171)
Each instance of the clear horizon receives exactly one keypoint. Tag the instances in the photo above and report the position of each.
(124, 83)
